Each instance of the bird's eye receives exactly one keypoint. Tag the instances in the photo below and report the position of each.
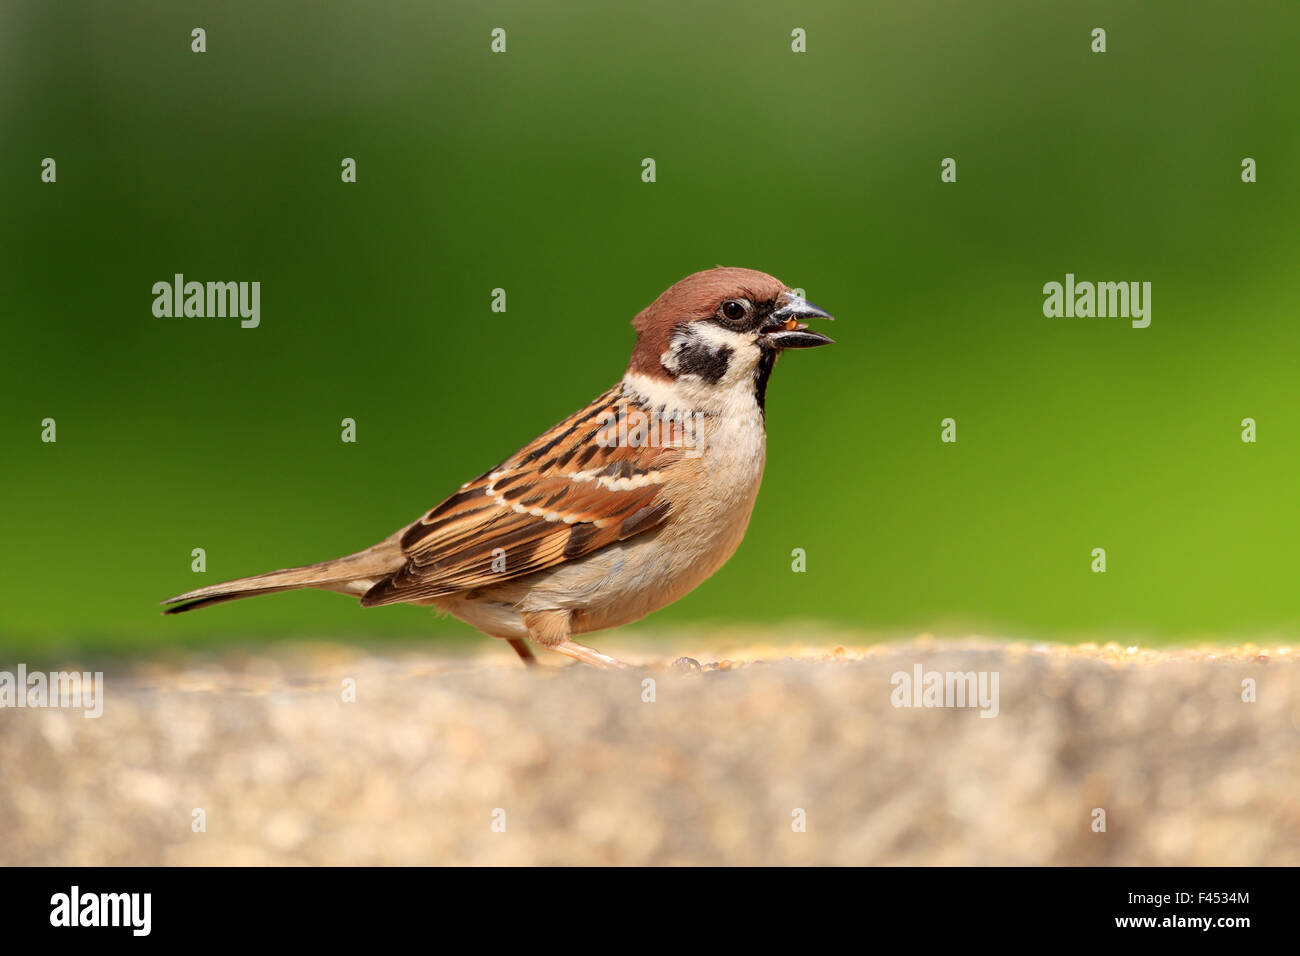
(733, 310)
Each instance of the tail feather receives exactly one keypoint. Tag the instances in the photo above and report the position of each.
(191, 605)
(354, 574)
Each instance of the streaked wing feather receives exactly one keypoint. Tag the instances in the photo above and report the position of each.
(561, 497)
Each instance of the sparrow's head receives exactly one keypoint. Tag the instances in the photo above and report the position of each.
(722, 327)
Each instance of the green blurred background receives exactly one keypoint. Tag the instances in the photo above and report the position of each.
(522, 171)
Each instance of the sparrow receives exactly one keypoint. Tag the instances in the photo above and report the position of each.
(617, 511)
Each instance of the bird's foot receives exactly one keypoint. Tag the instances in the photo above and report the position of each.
(588, 655)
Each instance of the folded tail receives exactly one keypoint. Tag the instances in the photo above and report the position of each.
(354, 574)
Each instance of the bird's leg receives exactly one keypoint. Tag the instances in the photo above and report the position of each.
(550, 629)
(523, 650)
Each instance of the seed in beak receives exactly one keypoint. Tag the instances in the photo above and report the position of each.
(791, 324)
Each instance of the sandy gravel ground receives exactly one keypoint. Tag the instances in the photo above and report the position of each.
(439, 751)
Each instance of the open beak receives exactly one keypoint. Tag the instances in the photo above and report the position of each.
(785, 328)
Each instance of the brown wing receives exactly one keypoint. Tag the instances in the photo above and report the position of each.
(571, 491)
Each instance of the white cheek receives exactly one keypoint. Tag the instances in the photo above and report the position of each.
(745, 354)
(718, 338)
(733, 393)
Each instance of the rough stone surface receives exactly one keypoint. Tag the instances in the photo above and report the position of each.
(712, 771)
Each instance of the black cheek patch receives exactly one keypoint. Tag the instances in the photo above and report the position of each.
(694, 357)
